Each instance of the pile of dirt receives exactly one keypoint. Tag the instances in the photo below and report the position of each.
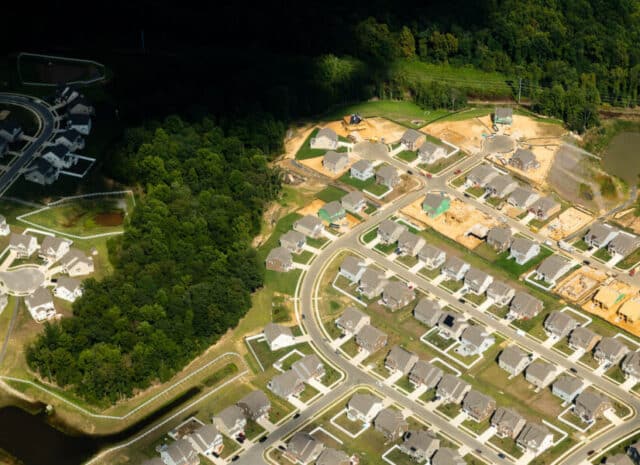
(109, 218)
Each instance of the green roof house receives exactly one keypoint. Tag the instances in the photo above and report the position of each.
(435, 204)
(332, 212)
(503, 115)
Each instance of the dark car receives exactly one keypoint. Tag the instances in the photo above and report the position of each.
(586, 262)
(297, 415)
(409, 172)
(281, 447)
(263, 438)
(573, 370)
(501, 455)
(462, 301)
(235, 457)
(466, 194)
(591, 452)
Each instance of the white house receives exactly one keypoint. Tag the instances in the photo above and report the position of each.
(278, 336)
(80, 106)
(523, 250)
(364, 407)
(40, 304)
(207, 440)
(54, 248)
(23, 245)
(431, 153)
(59, 156)
(10, 130)
(76, 263)
(4, 227)
(362, 170)
(71, 139)
(325, 139)
(68, 289)
(81, 123)
(42, 172)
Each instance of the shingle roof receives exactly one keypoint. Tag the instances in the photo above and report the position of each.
(582, 337)
(351, 317)
(433, 200)
(499, 235)
(273, 330)
(41, 296)
(559, 322)
(522, 245)
(333, 208)
(524, 156)
(363, 403)
(411, 135)
(567, 384)
(525, 305)
(353, 198)
(328, 133)
(447, 456)
(512, 356)
(362, 165)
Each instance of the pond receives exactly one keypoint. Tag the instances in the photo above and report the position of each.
(622, 156)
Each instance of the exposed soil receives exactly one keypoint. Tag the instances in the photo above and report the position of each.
(109, 219)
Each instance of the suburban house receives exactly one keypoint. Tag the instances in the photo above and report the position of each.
(590, 406)
(71, 139)
(478, 406)
(390, 231)
(354, 202)
(451, 326)
(293, 241)
(420, 445)
(65, 94)
(474, 341)
(606, 298)
(447, 456)
(503, 115)
(623, 244)
(399, 359)
(352, 268)
(364, 407)
(524, 160)
(76, 263)
(352, 320)
(544, 208)
(335, 162)
(552, 268)
(309, 225)
(477, 281)
(535, 438)
(631, 365)
(59, 156)
(308, 368)
(332, 212)
(278, 336)
(426, 374)
(230, 421)
(559, 324)
(279, 259)
(410, 244)
(331, 456)
(54, 248)
(40, 304)
(427, 311)
(523, 250)
(371, 339)
(435, 204)
(540, 373)
(522, 197)
(524, 306)
(583, 339)
(5, 230)
(42, 172)
(432, 256)
(22, 245)
(499, 238)
(391, 424)
(501, 186)
(325, 139)
(452, 389)
(180, 452)
(508, 423)
(481, 175)
(388, 176)
(610, 351)
(286, 384)
(362, 170)
(68, 289)
(629, 312)
(430, 153)
(412, 139)
(396, 295)
(600, 235)
(513, 360)
(81, 123)
(255, 405)
(80, 106)
(455, 268)
(501, 293)
(371, 283)
(566, 387)
(10, 130)
(206, 440)
(303, 448)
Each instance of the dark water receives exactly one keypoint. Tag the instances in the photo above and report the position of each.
(41, 440)
(622, 157)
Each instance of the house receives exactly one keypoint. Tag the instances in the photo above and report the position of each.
(478, 406)
(610, 351)
(308, 368)
(40, 304)
(540, 373)
(370, 338)
(566, 387)
(481, 175)
(455, 268)
(412, 139)
(310, 226)
(430, 153)
(293, 241)
(583, 339)
(552, 268)
(535, 438)
(426, 374)
(23, 245)
(396, 295)
(390, 231)
(4, 227)
(391, 424)
(388, 176)
(600, 235)
(523, 250)
(286, 384)
(71, 139)
(59, 156)
(501, 186)
(607, 297)
(325, 139)
(420, 445)
(352, 268)
(474, 341)
(524, 160)
(544, 207)
(629, 312)
(335, 162)
(619, 459)
(68, 289)
(452, 389)
(427, 311)
(54, 248)
(371, 283)
(42, 172)
(435, 204)
(65, 94)
(623, 244)
(410, 244)
(331, 456)
(499, 238)
(354, 202)
(477, 281)
(352, 320)
(180, 452)
(303, 448)
(154, 461)
(278, 336)
(590, 406)
(508, 423)
(399, 359)
(447, 456)
(559, 324)
(432, 256)
(10, 130)
(279, 259)
(255, 405)
(501, 293)
(631, 365)
(451, 325)
(364, 407)
(80, 106)
(503, 115)
(362, 170)
(81, 123)
(332, 212)
(522, 197)
(206, 440)
(513, 360)
(75, 263)
(524, 306)
(230, 421)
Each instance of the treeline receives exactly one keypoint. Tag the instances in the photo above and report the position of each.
(184, 269)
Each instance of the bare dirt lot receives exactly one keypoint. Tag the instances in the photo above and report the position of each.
(628, 219)
(298, 136)
(625, 292)
(311, 208)
(537, 176)
(579, 284)
(316, 164)
(374, 128)
(565, 224)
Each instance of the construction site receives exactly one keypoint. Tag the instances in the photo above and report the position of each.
(566, 223)
(618, 303)
(373, 129)
(580, 284)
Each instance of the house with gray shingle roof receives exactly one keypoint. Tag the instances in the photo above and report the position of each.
(590, 406)
(481, 175)
(477, 281)
(540, 373)
(474, 340)
(501, 293)
(631, 365)
(388, 176)
(308, 368)
(391, 424)
(513, 360)
(503, 115)
(508, 423)
(293, 241)
(279, 259)
(523, 250)
(389, 231)
(354, 202)
(399, 359)
(420, 445)
(255, 405)
(325, 139)
(435, 204)
(412, 139)
(447, 456)
(410, 244)
(566, 387)
(396, 295)
(524, 306)
(352, 320)
(524, 160)
(68, 289)
(76, 263)
(499, 238)
(522, 197)
(455, 268)
(206, 440)
(478, 406)
(180, 452)
(309, 225)
(278, 336)
(432, 256)
(583, 339)
(501, 186)
(23, 245)
(427, 311)
(286, 384)
(231, 421)
(303, 448)
(371, 283)
(364, 407)
(452, 389)
(451, 325)
(335, 162)
(330, 456)
(5, 230)
(634, 452)
(40, 304)
(362, 170)
(535, 438)
(371, 338)
(332, 212)
(559, 324)
(600, 235)
(53, 248)
(430, 153)
(544, 207)
(623, 244)
(352, 268)
(610, 351)
(426, 374)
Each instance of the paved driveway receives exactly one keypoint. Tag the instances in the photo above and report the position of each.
(23, 280)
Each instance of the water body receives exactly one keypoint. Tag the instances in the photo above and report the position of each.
(622, 157)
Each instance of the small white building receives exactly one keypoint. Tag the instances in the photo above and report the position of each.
(4, 227)
(40, 304)
(76, 263)
(23, 245)
(81, 123)
(68, 289)
(54, 248)
(278, 336)
(325, 138)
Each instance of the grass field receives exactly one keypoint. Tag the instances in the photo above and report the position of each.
(441, 165)
(400, 111)
(330, 193)
(407, 155)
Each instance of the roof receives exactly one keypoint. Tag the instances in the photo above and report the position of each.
(307, 366)
(371, 278)
(631, 363)
(43, 167)
(476, 276)
(292, 236)
(353, 198)
(230, 415)
(503, 112)
(499, 288)
(500, 182)
(521, 194)
(59, 150)
(482, 173)
(607, 296)
(526, 305)
(334, 157)
(411, 135)
(370, 335)
(512, 356)
(452, 385)
(505, 418)
(619, 459)
(387, 172)
(280, 254)
(179, 450)
(540, 370)
(363, 403)
(302, 445)
(499, 235)
(408, 239)
(625, 242)
(454, 264)
(388, 227)
(425, 370)
(427, 308)
(328, 133)
(475, 400)
(401, 357)
(474, 335)
(20, 240)
(631, 309)
(433, 200)
(389, 419)
(52, 242)
(362, 165)
(533, 435)
(544, 204)
(68, 283)
(397, 291)
(79, 119)
(333, 208)
(422, 440)
(285, 383)
(582, 337)
(255, 401)
(611, 347)
(351, 264)
(451, 321)
(600, 231)
(430, 252)
(447, 456)
(273, 330)
(69, 134)
(588, 402)
(351, 317)
(309, 222)
(567, 384)
(330, 456)
(552, 265)
(429, 148)
(524, 156)
(522, 245)
(205, 435)
(560, 322)
(75, 255)
(41, 296)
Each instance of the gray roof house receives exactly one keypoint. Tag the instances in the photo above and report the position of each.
(331, 456)
(474, 341)
(410, 244)
(303, 448)
(481, 175)
(523, 250)
(501, 186)
(583, 339)
(477, 281)
(447, 456)
(286, 384)
(391, 424)
(552, 268)
(352, 320)
(255, 405)
(559, 324)
(524, 306)
(590, 406)
(308, 368)
(432, 256)
(279, 259)
(522, 197)
(206, 439)
(40, 304)
(566, 387)
(309, 225)
(412, 139)
(427, 311)
(540, 373)
(325, 138)
(524, 160)
(354, 202)
(535, 438)
(499, 238)
(396, 295)
(278, 336)
(430, 153)
(631, 365)
(230, 421)
(180, 452)
(352, 268)
(455, 268)
(513, 360)
(425, 373)
(364, 407)
(600, 234)
(371, 283)
(501, 293)
(610, 351)
(420, 444)
(335, 162)
(293, 241)
(503, 115)
(508, 423)
(399, 359)
(623, 244)
(23, 245)
(332, 212)
(362, 170)
(53, 248)
(478, 406)
(451, 325)
(544, 207)
(76, 263)
(390, 231)
(452, 389)
(388, 176)
(371, 338)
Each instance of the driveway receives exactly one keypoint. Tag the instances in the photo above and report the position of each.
(23, 280)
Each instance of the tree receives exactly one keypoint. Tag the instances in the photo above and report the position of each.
(407, 43)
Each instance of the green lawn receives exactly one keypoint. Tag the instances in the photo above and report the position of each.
(253, 430)
(475, 191)
(603, 254)
(630, 260)
(439, 341)
(474, 298)
(377, 189)
(580, 244)
(305, 152)
(330, 193)
(459, 181)
(303, 257)
(494, 201)
(400, 111)
(476, 427)
(371, 235)
(515, 270)
(386, 248)
(400, 458)
(405, 384)
(452, 285)
(508, 445)
(443, 164)
(357, 183)
(451, 410)
(309, 393)
(616, 374)
(408, 260)
(407, 155)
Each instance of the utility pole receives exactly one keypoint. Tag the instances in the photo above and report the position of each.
(519, 90)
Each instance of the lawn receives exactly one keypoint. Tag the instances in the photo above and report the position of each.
(616, 374)
(429, 274)
(439, 341)
(371, 235)
(386, 249)
(459, 181)
(475, 191)
(405, 384)
(630, 260)
(408, 260)
(603, 254)
(477, 427)
(400, 111)
(580, 244)
(407, 155)
(508, 445)
(357, 183)
(443, 164)
(452, 285)
(352, 426)
(253, 430)
(309, 393)
(399, 458)
(450, 410)
(330, 193)
(515, 270)
(475, 298)
(305, 152)
(377, 189)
